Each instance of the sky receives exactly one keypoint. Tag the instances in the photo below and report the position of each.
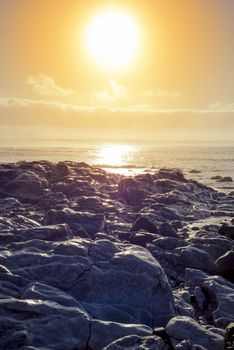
(178, 86)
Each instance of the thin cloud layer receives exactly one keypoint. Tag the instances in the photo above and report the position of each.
(222, 107)
(114, 92)
(45, 86)
(154, 93)
(112, 112)
(10, 102)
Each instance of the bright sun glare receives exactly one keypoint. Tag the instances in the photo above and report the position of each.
(112, 39)
(115, 155)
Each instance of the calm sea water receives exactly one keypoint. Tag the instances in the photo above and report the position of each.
(208, 160)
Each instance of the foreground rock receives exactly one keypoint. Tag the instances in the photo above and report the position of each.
(91, 260)
(218, 296)
(183, 328)
(136, 342)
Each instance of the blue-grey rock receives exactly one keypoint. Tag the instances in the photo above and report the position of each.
(137, 343)
(184, 328)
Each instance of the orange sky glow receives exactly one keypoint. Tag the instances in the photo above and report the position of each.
(162, 71)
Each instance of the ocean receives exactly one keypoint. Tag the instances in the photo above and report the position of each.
(201, 161)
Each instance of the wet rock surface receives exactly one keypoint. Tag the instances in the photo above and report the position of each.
(93, 260)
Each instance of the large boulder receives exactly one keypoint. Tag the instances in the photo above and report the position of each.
(132, 280)
(133, 285)
(45, 324)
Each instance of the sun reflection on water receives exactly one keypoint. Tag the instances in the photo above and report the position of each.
(115, 155)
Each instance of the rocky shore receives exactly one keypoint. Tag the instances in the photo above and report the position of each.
(92, 260)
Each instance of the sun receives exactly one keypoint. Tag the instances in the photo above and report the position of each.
(112, 38)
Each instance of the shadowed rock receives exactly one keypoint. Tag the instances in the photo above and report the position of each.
(227, 230)
(225, 266)
(90, 222)
(143, 223)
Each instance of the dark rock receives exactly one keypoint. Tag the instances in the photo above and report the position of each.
(184, 328)
(124, 184)
(105, 333)
(225, 266)
(90, 222)
(226, 179)
(195, 258)
(134, 342)
(81, 233)
(169, 243)
(52, 199)
(142, 238)
(229, 337)
(194, 171)
(143, 223)
(40, 322)
(129, 189)
(215, 245)
(90, 203)
(134, 196)
(173, 174)
(160, 332)
(167, 230)
(58, 232)
(76, 271)
(121, 273)
(219, 294)
(123, 236)
(25, 186)
(217, 177)
(62, 169)
(227, 231)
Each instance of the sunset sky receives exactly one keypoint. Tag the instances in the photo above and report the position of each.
(176, 84)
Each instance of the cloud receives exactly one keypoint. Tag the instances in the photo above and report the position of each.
(114, 92)
(112, 112)
(31, 118)
(154, 93)
(222, 107)
(52, 104)
(46, 86)
(10, 102)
